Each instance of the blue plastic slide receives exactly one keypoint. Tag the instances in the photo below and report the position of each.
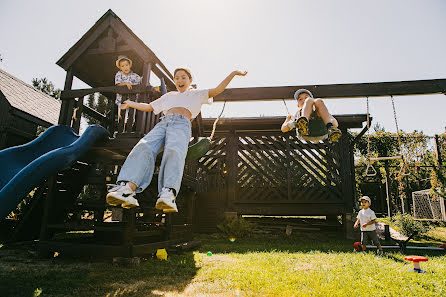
(24, 167)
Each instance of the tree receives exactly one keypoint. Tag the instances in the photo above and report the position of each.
(438, 181)
(46, 86)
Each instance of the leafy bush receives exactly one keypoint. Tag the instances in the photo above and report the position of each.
(236, 227)
(408, 225)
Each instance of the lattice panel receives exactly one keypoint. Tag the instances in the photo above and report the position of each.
(275, 167)
(285, 168)
(212, 166)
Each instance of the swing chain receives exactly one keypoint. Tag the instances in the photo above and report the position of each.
(402, 171)
(216, 120)
(286, 106)
(369, 164)
(396, 123)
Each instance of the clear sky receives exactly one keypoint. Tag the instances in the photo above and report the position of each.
(280, 43)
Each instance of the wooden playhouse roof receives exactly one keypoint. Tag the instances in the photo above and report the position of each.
(93, 57)
(27, 99)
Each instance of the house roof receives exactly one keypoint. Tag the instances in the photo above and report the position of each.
(26, 98)
(92, 58)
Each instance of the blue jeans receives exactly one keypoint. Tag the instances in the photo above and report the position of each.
(174, 133)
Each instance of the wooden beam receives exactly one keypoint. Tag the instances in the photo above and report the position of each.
(168, 80)
(273, 123)
(415, 87)
(112, 89)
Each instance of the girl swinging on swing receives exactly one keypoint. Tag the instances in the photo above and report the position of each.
(173, 133)
(311, 109)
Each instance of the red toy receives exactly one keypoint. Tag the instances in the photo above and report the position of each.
(357, 246)
(416, 263)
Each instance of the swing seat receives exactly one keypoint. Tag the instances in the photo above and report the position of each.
(317, 130)
(197, 150)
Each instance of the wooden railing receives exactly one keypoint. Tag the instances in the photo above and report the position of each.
(139, 124)
(73, 109)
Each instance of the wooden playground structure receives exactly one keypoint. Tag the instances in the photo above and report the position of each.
(252, 168)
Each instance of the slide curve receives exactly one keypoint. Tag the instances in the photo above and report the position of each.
(24, 167)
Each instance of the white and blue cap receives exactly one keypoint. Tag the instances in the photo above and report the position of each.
(300, 91)
(366, 198)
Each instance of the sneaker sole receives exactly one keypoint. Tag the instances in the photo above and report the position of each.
(335, 136)
(128, 205)
(165, 207)
(302, 127)
(113, 201)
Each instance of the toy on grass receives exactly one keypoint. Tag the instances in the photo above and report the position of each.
(161, 254)
(416, 263)
(357, 246)
(209, 253)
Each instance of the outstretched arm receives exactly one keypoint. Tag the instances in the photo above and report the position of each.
(139, 106)
(220, 88)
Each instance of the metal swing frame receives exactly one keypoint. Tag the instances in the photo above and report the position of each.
(370, 170)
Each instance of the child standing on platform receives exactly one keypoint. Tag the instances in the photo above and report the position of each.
(125, 77)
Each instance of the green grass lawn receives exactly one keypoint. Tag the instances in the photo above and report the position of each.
(307, 264)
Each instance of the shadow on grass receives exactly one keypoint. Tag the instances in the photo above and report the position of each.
(23, 274)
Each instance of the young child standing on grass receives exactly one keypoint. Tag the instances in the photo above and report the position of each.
(310, 108)
(173, 133)
(125, 77)
(366, 219)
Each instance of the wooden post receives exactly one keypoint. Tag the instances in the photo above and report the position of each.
(78, 116)
(200, 128)
(231, 159)
(405, 207)
(386, 166)
(64, 108)
(110, 125)
(288, 159)
(48, 203)
(129, 230)
(345, 153)
(141, 117)
(386, 232)
(437, 151)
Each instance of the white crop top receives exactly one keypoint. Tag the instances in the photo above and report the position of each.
(191, 100)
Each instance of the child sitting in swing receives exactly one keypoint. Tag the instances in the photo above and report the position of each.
(311, 109)
(173, 133)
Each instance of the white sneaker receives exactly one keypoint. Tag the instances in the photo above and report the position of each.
(122, 195)
(166, 201)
